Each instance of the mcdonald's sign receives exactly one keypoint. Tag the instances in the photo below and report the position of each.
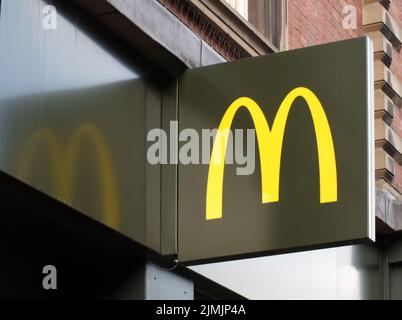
(312, 111)
(270, 148)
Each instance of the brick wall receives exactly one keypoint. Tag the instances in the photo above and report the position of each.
(312, 22)
(395, 11)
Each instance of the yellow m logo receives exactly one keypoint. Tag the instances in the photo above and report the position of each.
(270, 148)
(63, 167)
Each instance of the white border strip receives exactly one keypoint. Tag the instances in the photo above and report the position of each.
(371, 142)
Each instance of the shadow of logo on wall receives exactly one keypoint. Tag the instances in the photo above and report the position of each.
(63, 166)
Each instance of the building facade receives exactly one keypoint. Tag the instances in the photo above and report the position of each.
(100, 56)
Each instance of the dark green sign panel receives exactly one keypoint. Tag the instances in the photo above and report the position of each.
(312, 111)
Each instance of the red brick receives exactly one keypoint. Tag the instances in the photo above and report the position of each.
(314, 22)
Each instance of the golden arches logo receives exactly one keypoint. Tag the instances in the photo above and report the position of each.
(63, 164)
(270, 143)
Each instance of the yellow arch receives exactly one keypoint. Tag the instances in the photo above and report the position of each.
(46, 136)
(109, 189)
(270, 148)
(66, 161)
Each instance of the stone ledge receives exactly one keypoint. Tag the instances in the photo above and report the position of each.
(384, 165)
(388, 139)
(376, 18)
(388, 210)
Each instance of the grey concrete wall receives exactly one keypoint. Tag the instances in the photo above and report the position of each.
(172, 34)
